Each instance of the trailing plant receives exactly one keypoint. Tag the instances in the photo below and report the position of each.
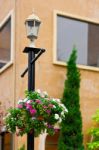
(71, 137)
(94, 132)
(36, 113)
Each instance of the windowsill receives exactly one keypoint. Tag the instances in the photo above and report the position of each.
(6, 67)
(82, 67)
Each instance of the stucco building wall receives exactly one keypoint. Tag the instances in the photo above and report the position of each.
(7, 76)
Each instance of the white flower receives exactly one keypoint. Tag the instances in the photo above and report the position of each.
(54, 99)
(54, 106)
(29, 101)
(62, 105)
(56, 116)
(25, 100)
(62, 113)
(42, 95)
(20, 101)
(66, 110)
(33, 118)
(38, 91)
(45, 93)
(58, 100)
(60, 120)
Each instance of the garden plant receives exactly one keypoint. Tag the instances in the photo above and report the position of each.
(71, 137)
(37, 113)
(94, 132)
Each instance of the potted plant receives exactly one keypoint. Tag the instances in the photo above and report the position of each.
(36, 112)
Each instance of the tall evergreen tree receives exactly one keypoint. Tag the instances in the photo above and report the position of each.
(71, 137)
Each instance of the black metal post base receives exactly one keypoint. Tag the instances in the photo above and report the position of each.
(30, 141)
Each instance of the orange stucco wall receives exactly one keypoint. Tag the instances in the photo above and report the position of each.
(49, 77)
(6, 77)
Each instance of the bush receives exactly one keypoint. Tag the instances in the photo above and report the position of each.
(94, 132)
(71, 137)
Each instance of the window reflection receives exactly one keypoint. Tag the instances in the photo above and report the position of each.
(5, 43)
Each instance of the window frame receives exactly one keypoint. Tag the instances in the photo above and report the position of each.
(2, 23)
(76, 17)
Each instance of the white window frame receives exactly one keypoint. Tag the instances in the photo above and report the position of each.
(9, 15)
(57, 62)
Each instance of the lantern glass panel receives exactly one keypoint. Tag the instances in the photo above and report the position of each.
(32, 28)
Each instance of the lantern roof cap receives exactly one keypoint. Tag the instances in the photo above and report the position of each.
(33, 17)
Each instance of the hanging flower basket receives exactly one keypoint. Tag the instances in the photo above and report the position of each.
(36, 112)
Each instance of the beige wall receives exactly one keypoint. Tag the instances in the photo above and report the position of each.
(7, 76)
(49, 77)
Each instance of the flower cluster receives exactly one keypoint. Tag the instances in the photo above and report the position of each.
(36, 113)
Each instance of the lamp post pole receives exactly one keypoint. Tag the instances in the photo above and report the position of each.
(33, 55)
(31, 87)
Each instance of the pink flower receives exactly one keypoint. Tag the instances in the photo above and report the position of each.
(49, 126)
(44, 106)
(38, 101)
(29, 101)
(28, 106)
(48, 111)
(50, 105)
(32, 111)
(20, 106)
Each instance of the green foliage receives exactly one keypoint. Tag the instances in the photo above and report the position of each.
(22, 148)
(94, 132)
(71, 137)
(36, 113)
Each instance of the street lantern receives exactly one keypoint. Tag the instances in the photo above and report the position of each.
(32, 27)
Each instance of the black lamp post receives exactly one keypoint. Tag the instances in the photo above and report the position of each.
(32, 25)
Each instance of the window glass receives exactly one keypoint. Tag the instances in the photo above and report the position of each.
(5, 43)
(85, 36)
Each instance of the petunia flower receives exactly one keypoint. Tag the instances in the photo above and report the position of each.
(20, 101)
(29, 101)
(20, 106)
(28, 106)
(38, 101)
(50, 105)
(48, 111)
(56, 116)
(45, 107)
(38, 91)
(32, 111)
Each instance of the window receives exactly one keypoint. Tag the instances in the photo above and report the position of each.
(84, 35)
(6, 43)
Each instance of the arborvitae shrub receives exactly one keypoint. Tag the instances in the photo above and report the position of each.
(71, 137)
